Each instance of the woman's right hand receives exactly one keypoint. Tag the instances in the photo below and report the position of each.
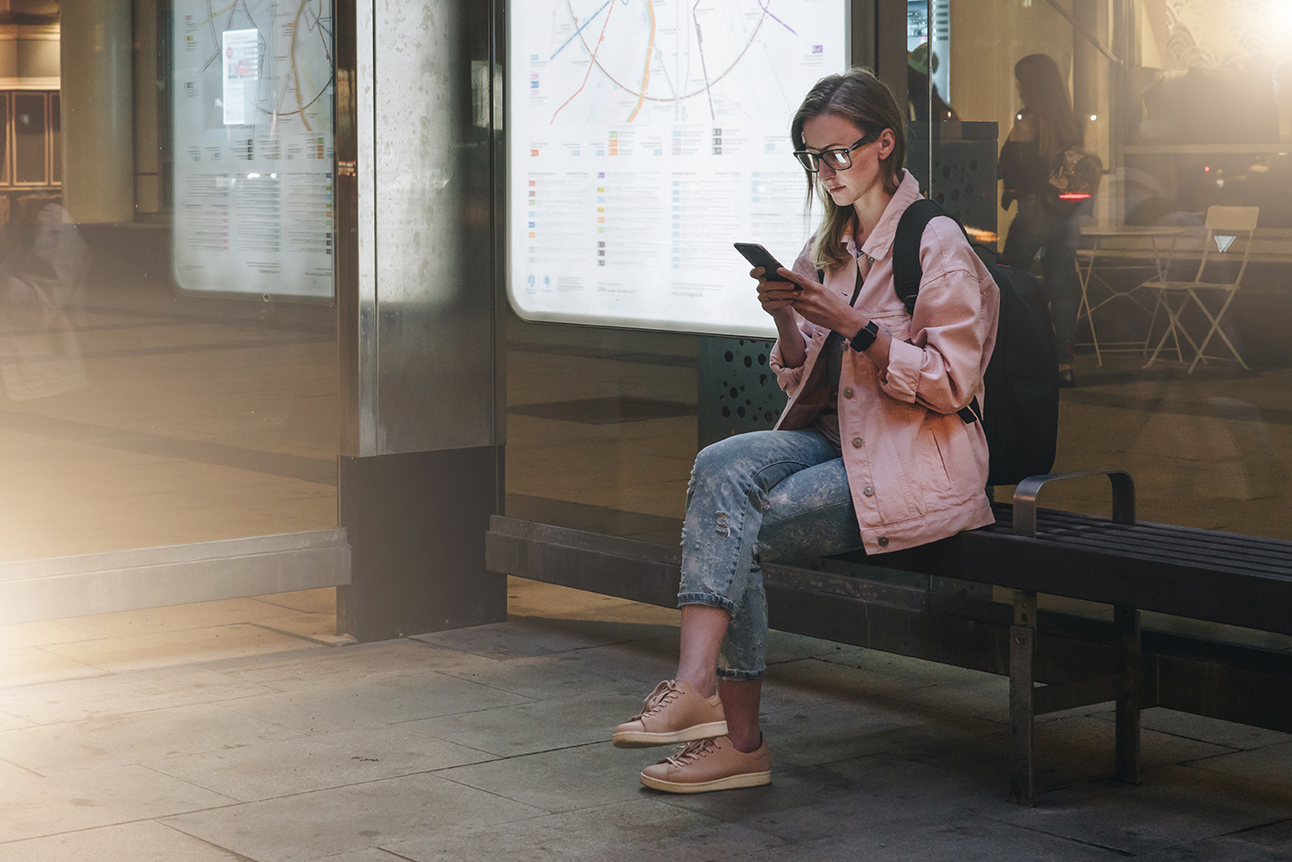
(777, 297)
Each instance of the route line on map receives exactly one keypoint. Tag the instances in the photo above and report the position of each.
(763, 6)
(642, 94)
(650, 48)
(704, 67)
(594, 62)
(591, 18)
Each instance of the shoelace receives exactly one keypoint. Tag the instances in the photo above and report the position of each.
(691, 752)
(659, 698)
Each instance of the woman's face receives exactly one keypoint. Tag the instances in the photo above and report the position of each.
(866, 177)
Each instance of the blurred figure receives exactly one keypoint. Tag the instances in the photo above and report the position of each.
(923, 99)
(39, 352)
(1043, 130)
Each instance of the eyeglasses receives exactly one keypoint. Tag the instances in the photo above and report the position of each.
(839, 158)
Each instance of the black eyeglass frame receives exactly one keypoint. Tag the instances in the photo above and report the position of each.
(811, 161)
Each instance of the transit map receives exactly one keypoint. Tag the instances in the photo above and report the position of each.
(253, 118)
(645, 137)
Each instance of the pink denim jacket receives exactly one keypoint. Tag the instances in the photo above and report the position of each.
(916, 470)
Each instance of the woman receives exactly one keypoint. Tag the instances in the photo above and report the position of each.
(888, 385)
(1045, 128)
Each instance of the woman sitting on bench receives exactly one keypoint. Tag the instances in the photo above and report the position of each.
(869, 452)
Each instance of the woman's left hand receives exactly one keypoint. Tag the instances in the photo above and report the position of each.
(818, 304)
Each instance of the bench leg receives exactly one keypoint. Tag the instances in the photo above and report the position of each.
(1022, 645)
(1128, 695)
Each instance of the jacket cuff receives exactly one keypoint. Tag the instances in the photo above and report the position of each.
(905, 362)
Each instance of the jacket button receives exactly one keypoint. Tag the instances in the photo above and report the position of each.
(883, 541)
(869, 491)
(847, 392)
(856, 442)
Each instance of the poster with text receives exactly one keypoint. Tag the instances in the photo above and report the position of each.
(645, 137)
(253, 119)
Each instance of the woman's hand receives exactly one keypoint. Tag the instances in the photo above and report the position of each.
(777, 297)
(812, 300)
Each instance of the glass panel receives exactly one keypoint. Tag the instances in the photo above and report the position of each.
(55, 139)
(29, 137)
(1188, 106)
(6, 145)
(168, 366)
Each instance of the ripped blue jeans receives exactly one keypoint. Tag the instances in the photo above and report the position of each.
(765, 495)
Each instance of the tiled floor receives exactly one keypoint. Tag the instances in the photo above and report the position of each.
(183, 739)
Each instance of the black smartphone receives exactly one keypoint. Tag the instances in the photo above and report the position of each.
(759, 256)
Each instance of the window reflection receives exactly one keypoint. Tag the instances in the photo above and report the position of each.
(1186, 103)
(134, 414)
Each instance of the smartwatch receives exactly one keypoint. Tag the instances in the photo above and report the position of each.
(865, 337)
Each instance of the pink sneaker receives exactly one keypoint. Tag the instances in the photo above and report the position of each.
(674, 712)
(710, 764)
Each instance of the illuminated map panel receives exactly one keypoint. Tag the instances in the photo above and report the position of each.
(253, 84)
(645, 136)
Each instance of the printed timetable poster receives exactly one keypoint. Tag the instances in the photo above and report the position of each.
(646, 136)
(253, 117)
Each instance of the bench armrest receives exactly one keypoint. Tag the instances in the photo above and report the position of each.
(1026, 492)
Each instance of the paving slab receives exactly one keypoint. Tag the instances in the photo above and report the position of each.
(36, 806)
(952, 839)
(529, 637)
(643, 663)
(1226, 849)
(1270, 765)
(312, 826)
(289, 766)
(108, 694)
(313, 669)
(145, 840)
(320, 601)
(819, 734)
(121, 739)
(536, 726)
(409, 696)
(630, 831)
(565, 779)
(1176, 805)
(38, 665)
(578, 674)
(178, 618)
(39, 634)
(1070, 749)
(1213, 730)
(160, 649)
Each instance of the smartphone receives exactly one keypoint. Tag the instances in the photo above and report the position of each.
(759, 256)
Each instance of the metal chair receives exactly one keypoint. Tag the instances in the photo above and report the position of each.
(1229, 230)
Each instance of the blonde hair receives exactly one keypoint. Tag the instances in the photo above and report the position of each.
(865, 101)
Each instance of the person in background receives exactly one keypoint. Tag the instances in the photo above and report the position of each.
(1043, 130)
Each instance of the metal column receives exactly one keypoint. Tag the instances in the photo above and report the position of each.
(420, 469)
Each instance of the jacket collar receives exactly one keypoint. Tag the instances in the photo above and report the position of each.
(881, 238)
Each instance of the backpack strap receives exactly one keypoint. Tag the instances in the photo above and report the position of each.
(907, 270)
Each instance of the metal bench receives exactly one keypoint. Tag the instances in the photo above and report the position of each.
(1055, 661)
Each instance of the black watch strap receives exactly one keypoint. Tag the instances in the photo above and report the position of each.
(865, 336)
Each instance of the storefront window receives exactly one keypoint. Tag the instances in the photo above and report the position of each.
(168, 367)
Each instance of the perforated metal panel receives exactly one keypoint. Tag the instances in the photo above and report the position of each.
(738, 390)
(963, 178)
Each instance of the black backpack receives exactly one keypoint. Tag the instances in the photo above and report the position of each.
(1021, 413)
